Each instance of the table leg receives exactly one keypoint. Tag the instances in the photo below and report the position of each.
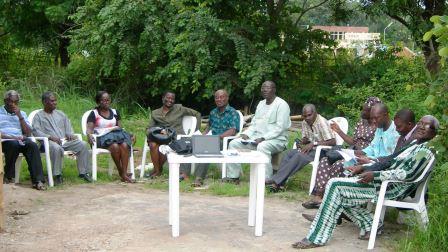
(252, 194)
(174, 203)
(170, 194)
(260, 199)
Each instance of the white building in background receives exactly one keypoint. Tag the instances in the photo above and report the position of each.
(355, 37)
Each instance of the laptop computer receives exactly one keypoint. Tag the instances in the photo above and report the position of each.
(206, 146)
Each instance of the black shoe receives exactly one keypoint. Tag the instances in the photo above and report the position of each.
(8, 180)
(235, 181)
(58, 180)
(86, 177)
(39, 186)
(311, 204)
(269, 182)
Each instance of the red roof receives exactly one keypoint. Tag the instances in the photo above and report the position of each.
(356, 29)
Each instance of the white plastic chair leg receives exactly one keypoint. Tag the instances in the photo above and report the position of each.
(193, 168)
(424, 216)
(131, 163)
(17, 169)
(142, 167)
(48, 161)
(94, 164)
(223, 170)
(111, 167)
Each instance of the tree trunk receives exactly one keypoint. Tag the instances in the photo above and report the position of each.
(63, 51)
(432, 58)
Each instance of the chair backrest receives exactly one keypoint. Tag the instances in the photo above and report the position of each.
(84, 122)
(241, 121)
(32, 114)
(343, 124)
(189, 124)
(421, 189)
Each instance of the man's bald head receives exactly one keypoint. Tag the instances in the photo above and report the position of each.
(380, 115)
(221, 99)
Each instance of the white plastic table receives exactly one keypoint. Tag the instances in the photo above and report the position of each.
(257, 162)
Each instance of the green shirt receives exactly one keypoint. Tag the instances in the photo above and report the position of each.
(173, 118)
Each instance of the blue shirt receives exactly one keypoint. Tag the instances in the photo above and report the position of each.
(221, 122)
(383, 143)
(10, 123)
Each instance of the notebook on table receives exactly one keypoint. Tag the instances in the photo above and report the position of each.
(206, 146)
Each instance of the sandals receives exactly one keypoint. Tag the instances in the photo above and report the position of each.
(305, 244)
(311, 204)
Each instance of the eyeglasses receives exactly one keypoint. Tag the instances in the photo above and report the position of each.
(426, 125)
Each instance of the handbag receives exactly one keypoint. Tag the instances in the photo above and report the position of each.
(332, 154)
(161, 135)
(182, 146)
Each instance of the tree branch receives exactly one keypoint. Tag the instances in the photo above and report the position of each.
(4, 34)
(306, 10)
(399, 19)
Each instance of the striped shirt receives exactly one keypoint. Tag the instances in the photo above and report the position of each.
(319, 131)
(406, 167)
(10, 123)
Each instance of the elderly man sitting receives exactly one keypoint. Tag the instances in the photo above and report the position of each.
(55, 125)
(15, 130)
(268, 132)
(349, 195)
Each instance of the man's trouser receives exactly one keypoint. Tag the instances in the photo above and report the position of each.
(31, 152)
(342, 195)
(292, 162)
(81, 150)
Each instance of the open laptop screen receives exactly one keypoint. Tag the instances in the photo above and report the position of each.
(208, 144)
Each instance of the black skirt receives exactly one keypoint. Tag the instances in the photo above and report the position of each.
(117, 136)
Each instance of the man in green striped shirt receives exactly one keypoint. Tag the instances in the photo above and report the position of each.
(349, 195)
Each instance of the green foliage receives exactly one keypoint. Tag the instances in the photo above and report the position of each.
(142, 48)
(41, 24)
(399, 82)
(435, 238)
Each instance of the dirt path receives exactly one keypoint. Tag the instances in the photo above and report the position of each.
(115, 217)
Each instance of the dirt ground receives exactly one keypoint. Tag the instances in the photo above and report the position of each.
(117, 217)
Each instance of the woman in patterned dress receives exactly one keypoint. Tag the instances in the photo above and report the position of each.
(363, 135)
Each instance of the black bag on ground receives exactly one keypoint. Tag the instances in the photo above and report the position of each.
(182, 146)
(155, 134)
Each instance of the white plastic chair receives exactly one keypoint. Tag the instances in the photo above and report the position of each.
(18, 164)
(188, 124)
(416, 203)
(343, 125)
(97, 151)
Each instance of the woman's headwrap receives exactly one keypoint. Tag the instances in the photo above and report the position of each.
(371, 101)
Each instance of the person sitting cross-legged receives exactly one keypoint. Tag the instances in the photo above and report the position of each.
(55, 125)
(349, 195)
(223, 121)
(315, 131)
